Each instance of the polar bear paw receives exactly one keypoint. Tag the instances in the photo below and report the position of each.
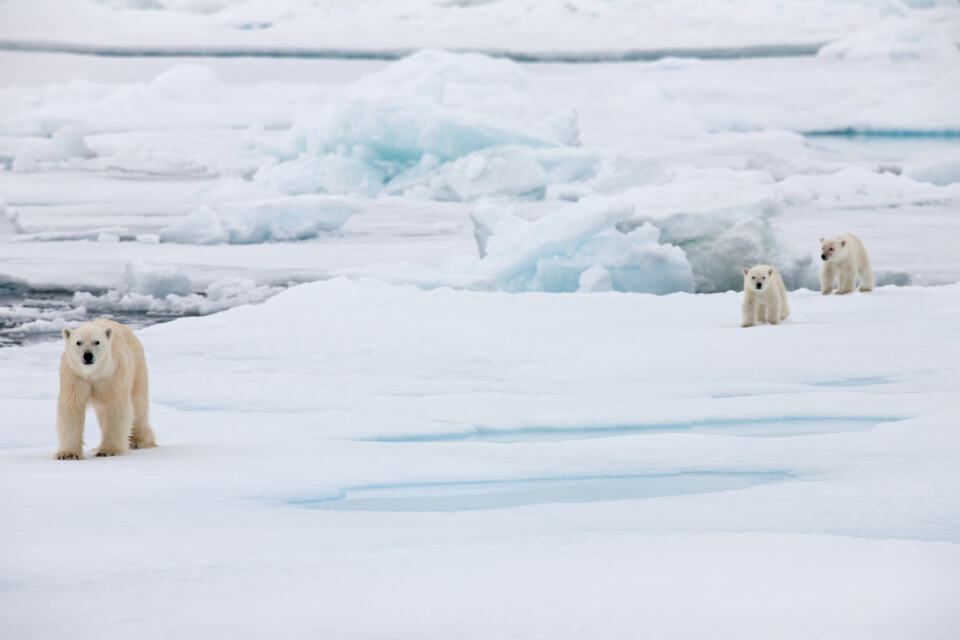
(68, 455)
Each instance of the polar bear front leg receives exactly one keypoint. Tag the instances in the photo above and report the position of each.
(846, 279)
(70, 418)
(116, 421)
(773, 313)
(826, 279)
(749, 309)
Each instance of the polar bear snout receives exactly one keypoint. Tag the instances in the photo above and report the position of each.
(87, 357)
(759, 286)
(823, 257)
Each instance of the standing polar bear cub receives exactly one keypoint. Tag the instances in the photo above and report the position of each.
(764, 296)
(844, 261)
(103, 364)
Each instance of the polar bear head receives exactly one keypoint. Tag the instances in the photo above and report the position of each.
(833, 249)
(758, 278)
(88, 348)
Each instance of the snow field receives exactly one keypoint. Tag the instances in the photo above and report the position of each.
(613, 531)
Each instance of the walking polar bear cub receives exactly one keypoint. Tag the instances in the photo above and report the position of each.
(764, 296)
(103, 364)
(844, 261)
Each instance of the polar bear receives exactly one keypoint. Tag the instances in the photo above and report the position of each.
(844, 261)
(103, 364)
(764, 296)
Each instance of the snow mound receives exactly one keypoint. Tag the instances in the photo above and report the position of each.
(498, 171)
(554, 252)
(187, 83)
(274, 220)
(437, 124)
(856, 187)
(9, 221)
(942, 170)
(185, 96)
(927, 110)
(464, 69)
(718, 243)
(65, 145)
(158, 283)
(895, 39)
(169, 291)
(720, 218)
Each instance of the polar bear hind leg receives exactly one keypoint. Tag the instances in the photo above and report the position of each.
(141, 436)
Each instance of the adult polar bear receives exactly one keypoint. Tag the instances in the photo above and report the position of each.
(844, 261)
(103, 364)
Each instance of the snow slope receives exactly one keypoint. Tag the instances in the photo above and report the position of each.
(352, 459)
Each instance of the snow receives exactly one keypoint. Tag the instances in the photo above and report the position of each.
(942, 169)
(169, 291)
(552, 253)
(65, 144)
(8, 220)
(538, 29)
(255, 428)
(896, 39)
(394, 410)
(276, 220)
(461, 125)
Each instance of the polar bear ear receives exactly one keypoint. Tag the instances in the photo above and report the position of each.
(746, 271)
(66, 333)
(822, 240)
(109, 333)
(770, 273)
(843, 243)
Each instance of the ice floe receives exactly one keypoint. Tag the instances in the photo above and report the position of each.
(553, 252)
(447, 125)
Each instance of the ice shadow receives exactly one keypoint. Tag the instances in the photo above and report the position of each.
(497, 494)
(752, 427)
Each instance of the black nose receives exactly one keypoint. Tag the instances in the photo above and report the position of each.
(87, 357)
(759, 285)
(823, 256)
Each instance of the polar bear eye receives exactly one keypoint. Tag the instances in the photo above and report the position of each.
(96, 342)
(79, 343)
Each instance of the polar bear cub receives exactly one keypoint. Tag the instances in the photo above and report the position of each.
(844, 262)
(103, 365)
(764, 296)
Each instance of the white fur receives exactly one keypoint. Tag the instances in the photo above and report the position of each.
(769, 302)
(844, 262)
(115, 383)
